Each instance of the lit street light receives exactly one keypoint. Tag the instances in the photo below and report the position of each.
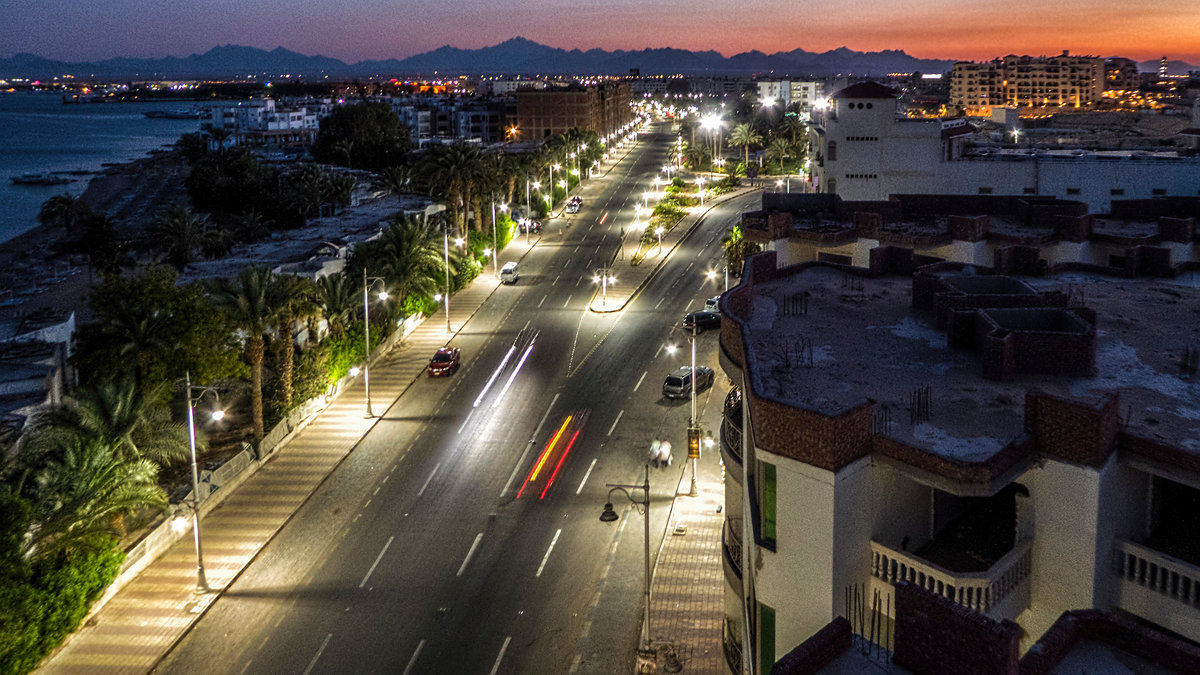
(368, 284)
(194, 394)
(604, 277)
(446, 243)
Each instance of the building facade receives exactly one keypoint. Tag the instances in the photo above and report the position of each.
(863, 150)
(602, 108)
(1028, 81)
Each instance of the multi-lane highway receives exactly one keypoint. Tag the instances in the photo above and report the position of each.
(462, 534)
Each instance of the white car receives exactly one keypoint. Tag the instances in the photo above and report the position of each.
(710, 305)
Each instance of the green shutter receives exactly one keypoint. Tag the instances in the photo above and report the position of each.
(768, 502)
(766, 638)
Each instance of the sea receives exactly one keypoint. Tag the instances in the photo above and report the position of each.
(39, 134)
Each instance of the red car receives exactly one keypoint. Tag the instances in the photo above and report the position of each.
(445, 361)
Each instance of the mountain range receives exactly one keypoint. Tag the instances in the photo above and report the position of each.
(516, 56)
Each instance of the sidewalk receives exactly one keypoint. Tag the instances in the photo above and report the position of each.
(631, 278)
(141, 623)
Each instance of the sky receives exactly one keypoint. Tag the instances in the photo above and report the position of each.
(355, 30)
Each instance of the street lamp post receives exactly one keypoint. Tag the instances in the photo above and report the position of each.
(446, 249)
(700, 189)
(194, 394)
(495, 239)
(368, 283)
(693, 423)
(604, 277)
(659, 232)
(609, 515)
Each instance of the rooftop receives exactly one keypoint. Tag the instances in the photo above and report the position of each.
(824, 340)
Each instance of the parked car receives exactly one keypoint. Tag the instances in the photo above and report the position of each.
(679, 383)
(572, 207)
(703, 320)
(445, 361)
(710, 305)
(509, 273)
(531, 226)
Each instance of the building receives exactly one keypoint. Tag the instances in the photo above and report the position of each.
(1121, 75)
(800, 95)
(997, 401)
(863, 150)
(602, 108)
(1028, 81)
(261, 121)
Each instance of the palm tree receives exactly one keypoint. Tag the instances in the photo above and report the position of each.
(394, 179)
(791, 127)
(135, 422)
(294, 298)
(178, 233)
(410, 257)
(85, 491)
(745, 135)
(65, 211)
(106, 251)
(250, 226)
(345, 147)
(779, 148)
(247, 302)
(337, 300)
(140, 331)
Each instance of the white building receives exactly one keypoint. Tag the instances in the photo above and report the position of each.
(803, 94)
(988, 438)
(863, 151)
(262, 121)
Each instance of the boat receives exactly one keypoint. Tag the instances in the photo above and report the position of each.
(180, 114)
(40, 179)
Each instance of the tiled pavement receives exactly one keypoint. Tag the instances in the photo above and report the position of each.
(143, 620)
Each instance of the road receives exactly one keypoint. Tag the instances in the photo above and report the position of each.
(462, 535)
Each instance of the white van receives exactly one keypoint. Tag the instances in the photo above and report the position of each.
(508, 273)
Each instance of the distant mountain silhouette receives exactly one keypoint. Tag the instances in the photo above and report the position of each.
(516, 56)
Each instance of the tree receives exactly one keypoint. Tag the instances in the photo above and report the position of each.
(363, 135)
(65, 211)
(451, 173)
(83, 491)
(737, 249)
(294, 298)
(779, 148)
(251, 226)
(408, 255)
(336, 298)
(745, 135)
(248, 303)
(107, 253)
(179, 233)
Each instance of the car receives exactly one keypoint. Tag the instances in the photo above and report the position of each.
(577, 200)
(445, 361)
(509, 273)
(702, 320)
(711, 304)
(572, 207)
(530, 226)
(679, 383)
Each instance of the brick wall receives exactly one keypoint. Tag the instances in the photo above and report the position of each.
(1111, 628)
(779, 225)
(935, 635)
(969, 228)
(1073, 431)
(817, 651)
(891, 260)
(1019, 260)
(1073, 227)
(1181, 230)
(826, 441)
(868, 224)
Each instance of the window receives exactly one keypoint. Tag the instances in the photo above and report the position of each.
(766, 637)
(1029, 191)
(831, 151)
(1073, 191)
(1116, 192)
(985, 190)
(767, 502)
(1159, 192)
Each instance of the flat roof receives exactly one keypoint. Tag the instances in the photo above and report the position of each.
(825, 340)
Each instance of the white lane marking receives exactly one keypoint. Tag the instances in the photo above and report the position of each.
(246, 667)
(660, 348)
(527, 324)
(543, 301)
(547, 556)
(463, 568)
(376, 563)
(500, 656)
(556, 280)
(614, 424)
(324, 644)
(639, 384)
(586, 475)
(689, 267)
(578, 281)
(412, 661)
(427, 480)
(528, 446)
(568, 301)
(660, 301)
(465, 420)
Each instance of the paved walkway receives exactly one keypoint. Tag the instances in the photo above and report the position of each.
(141, 623)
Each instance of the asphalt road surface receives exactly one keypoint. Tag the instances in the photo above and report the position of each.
(462, 535)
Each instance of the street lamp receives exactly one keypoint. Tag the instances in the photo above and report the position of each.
(194, 394)
(700, 188)
(604, 277)
(693, 422)
(553, 168)
(368, 284)
(659, 231)
(446, 248)
(609, 516)
(495, 239)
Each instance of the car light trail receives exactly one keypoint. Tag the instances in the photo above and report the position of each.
(513, 376)
(604, 217)
(559, 465)
(495, 374)
(533, 473)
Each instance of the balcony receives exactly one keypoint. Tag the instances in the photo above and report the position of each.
(1157, 587)
(731, 433)
(1001, 591)
(732, 645)
(731, 546)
